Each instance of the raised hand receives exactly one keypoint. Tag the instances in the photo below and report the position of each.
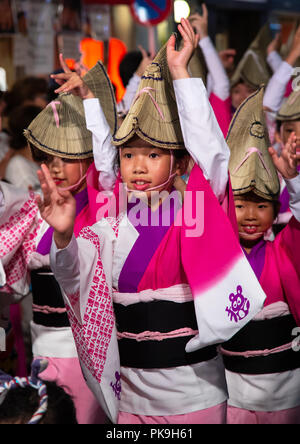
(276, 43)
(178, 60)
(286, 164)
(227, 58)
(294, 53)
(146, 60)
(71, 82)
(200, 22)
(58, 208)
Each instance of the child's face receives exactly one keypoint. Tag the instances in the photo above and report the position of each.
(239, 93)
(144, 166)
(254, 216)
(67, 173)
(287, 129)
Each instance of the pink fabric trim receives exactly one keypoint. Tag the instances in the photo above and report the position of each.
(212, 415)
(236, 415)
(177, 293)
(93, 335)
(47, 310)
(273, 311)
(17, 239)
(280, 278)
(54, 109)
(250, 151)
(254, 353)
(66, 372)
(157, 336)
(147, 90)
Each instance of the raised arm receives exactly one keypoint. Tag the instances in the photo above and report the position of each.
(103, 150)
(220, 80)
(202, 135)
(276, 88)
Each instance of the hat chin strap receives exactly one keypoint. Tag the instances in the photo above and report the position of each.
(158, 186)
(81, 180)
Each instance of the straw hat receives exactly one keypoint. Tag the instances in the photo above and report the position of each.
(253, 68)
(153, 116)
(250, 165)
(60, 129)
(290, 110)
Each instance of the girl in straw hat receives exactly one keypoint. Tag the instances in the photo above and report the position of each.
(262, 361)
(148, 295)
(288, 122)
(58, 137)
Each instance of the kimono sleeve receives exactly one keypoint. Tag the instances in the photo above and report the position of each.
(19, 224)
(84, 272)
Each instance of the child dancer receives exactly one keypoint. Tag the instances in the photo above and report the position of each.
(262, 362)
(170, 371)
(58, 137)
(288, 122)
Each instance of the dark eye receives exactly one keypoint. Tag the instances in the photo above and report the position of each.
(127, 155)
(153, 155)
(239, 206)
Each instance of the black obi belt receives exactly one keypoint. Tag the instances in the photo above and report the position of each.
(154, 335)
(263, 347)
(48, 304)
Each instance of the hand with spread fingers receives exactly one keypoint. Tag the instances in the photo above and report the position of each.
(178, 60)
(146, 61)
(58, 208)
(200, 22)
(71, 82)
(286, 164)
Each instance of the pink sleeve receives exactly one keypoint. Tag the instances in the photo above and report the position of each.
(222, 110)
(287, 250)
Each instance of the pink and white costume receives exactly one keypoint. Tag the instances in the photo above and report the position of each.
(25, 246)
(262, 362)
(146, 308)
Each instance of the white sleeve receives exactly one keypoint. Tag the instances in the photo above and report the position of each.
(65, 266)
(276, 88)
(274, 60)
(220, 80)
(105, 153)
(202, 135)
(293, 186)
(130, 93)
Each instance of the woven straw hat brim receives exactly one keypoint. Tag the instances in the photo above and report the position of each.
(144, 119)
(247, 130)
(66, 135)
(253, 68)
(290, 110)
(71, 139)
(99, 83)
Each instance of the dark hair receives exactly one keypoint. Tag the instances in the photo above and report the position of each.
(19, 120)
(129, 65)
(25, 89)
(21, 403)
